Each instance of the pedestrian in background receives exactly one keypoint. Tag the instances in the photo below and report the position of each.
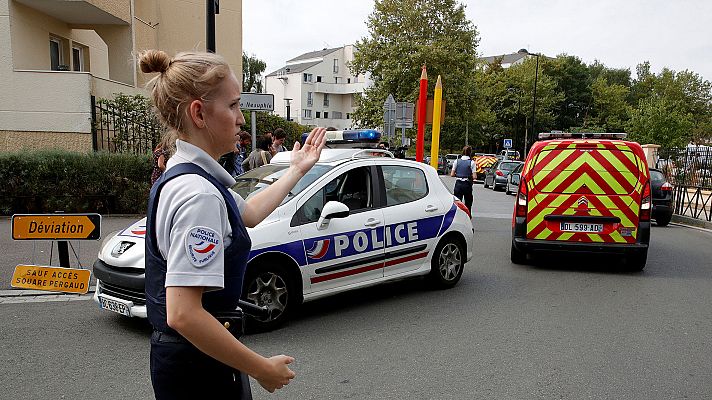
(232, 161)
(261, 155)
(464, 169)
(163, 151)
(196, 239)
(278, 141)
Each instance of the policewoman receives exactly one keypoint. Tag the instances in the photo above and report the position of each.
(196, 242)
(465, 170)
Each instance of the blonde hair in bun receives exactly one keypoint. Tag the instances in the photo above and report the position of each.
(154, 61)
(188, 76)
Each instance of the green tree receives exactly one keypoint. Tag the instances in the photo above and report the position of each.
(404, 35)
(573, 80)
(659, 121)
(610, 105)
(252, 69)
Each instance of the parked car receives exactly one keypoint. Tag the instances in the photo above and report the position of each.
(356, 219)
(662, 197)
(442, 164)
(583, 193)
(496, 175)
(513, 180)
(451, 158)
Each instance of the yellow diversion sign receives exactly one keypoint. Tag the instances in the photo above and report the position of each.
(51, 279)
(56, 226)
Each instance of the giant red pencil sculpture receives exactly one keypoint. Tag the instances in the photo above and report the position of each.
(422, 105)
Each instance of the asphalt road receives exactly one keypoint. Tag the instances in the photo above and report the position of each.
(561, 328)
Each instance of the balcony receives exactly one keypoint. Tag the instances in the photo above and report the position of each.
(339, 88)
(84, 12)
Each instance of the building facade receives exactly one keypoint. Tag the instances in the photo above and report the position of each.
(56, 54)
(317, 88)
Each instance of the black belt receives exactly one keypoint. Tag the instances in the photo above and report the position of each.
(233, 321)
(165, 337)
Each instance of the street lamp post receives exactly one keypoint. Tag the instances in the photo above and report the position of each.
(212, 8)
(536, 79)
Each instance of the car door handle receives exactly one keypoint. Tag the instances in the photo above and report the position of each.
(431, 208)
(372, 222)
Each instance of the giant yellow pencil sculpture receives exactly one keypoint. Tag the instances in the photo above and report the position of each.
(437, 107)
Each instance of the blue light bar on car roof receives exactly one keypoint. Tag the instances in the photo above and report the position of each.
(581, 135)
(352, 136)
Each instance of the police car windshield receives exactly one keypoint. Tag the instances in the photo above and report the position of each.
(251, 182)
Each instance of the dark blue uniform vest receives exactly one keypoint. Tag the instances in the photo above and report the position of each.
(463, 168)
(235, 254)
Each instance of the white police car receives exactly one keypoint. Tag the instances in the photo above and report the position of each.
(359, 217)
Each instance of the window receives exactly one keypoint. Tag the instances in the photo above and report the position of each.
(77, 58)
(310, 99)
(307, 114)
(326, 99)
(55, 54)
(348, 80)
(318, 78)
(336, 115)
(318, 114)
(337, 79)
(348, 116)
(336, 65)
(404, 184)
(326, 115)
(353, 188)
(307, 77)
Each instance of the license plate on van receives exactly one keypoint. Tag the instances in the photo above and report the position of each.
(579, 227)
(115, 305)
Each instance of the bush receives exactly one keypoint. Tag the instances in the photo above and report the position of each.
(45, 181)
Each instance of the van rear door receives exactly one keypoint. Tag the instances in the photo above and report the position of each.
(586, 191)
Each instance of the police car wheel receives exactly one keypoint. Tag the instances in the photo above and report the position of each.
(447, 264)
(269, 286)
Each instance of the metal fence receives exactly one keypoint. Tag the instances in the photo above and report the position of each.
(119, 131)
(689, 170)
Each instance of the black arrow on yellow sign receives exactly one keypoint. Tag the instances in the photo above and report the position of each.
(56, 226)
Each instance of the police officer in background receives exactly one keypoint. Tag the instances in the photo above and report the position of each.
(465, 170)
(196, 242)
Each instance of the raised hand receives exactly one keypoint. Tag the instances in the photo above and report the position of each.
(305, 156)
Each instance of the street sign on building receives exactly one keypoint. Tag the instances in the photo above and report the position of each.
(507, 143)
(256, 102)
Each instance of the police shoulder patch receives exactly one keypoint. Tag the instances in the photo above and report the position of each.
(202, 245)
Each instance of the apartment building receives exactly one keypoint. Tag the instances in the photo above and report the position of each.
(56, 54)
(317, 88)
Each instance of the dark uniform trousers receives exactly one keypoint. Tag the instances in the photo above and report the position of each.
(178, 369)
(192, 373)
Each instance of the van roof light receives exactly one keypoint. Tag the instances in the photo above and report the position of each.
(580, 135)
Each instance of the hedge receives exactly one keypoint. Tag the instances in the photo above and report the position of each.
(45, 181)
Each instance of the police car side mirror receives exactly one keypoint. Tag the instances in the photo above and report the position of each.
(332, 209)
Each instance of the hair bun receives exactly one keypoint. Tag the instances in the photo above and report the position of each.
(154, 61)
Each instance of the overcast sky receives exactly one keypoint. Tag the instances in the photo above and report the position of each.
(620, 33)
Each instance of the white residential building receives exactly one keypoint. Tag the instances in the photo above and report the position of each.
(318, 87)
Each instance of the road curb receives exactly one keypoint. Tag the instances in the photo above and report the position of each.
(691, 222)
(27, 292)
